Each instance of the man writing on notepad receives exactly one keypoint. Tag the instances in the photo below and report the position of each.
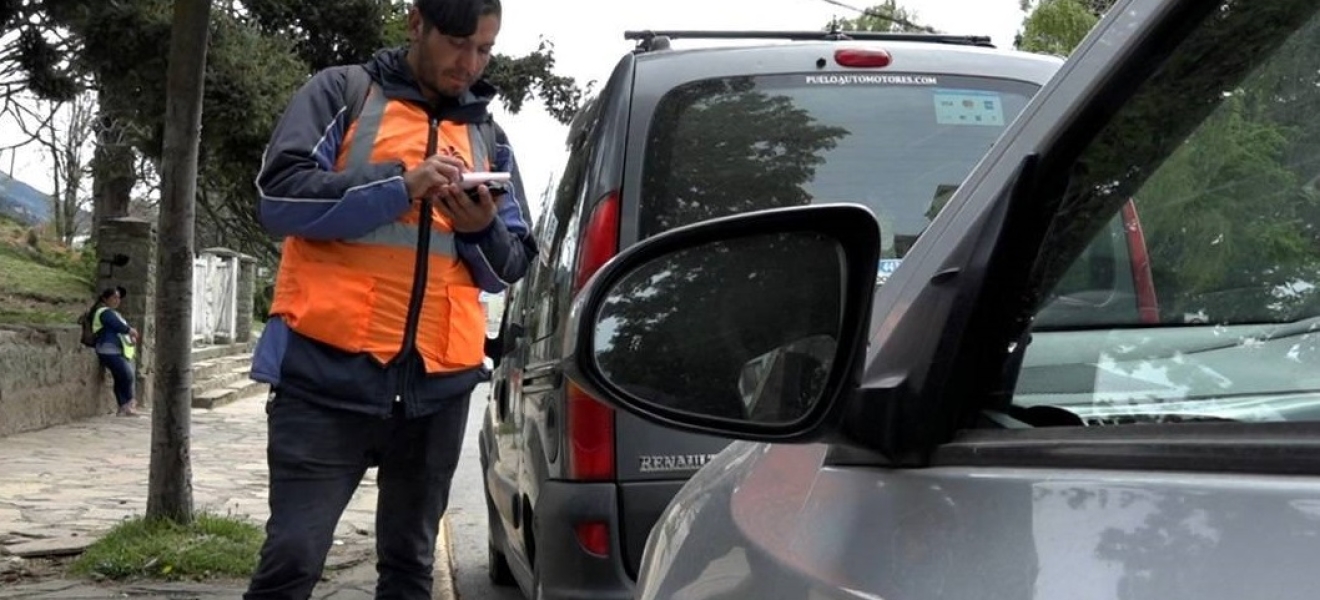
(376, 336)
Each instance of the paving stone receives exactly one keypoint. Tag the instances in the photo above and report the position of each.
(65, 546)
(12, 565)
(61, 487)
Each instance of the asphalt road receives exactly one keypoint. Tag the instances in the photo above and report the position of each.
(467, 515)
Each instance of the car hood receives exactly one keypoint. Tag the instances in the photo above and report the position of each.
(773, 523)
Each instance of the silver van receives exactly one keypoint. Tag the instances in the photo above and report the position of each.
(894, 122)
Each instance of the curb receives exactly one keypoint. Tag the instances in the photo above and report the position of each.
(443, 587)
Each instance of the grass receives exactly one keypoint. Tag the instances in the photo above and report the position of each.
(212, 547)
(40, 281)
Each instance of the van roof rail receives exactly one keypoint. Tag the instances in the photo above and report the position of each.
(650, 40)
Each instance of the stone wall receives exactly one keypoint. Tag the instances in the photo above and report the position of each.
(47, 378)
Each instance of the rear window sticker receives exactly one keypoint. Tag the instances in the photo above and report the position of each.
(871, 79)
(886, 268)
(968, 107)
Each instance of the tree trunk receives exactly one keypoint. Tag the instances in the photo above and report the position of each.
(112, 163)
(169, 494)
(69, 211)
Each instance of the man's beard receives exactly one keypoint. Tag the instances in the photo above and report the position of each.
(431, 87)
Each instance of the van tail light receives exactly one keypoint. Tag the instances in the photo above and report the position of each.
(600, 242)
(1148, 306)
(862, 59)
(590, 423)
(590, 437)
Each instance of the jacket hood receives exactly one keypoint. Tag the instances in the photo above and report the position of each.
(389, 69)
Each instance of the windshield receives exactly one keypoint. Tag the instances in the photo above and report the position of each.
(899, 144)
(1197, 299)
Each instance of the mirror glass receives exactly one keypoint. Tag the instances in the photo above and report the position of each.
(743, 329)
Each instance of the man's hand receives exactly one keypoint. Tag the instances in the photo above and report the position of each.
(433, 173)
(465, 215)
(134, 336)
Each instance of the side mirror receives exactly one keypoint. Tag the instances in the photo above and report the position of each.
(751, 326)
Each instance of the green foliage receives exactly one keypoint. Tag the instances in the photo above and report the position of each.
(249, 79)
(886, 16)
(210, 547)
(768, 149)
(533, 75)
(1096, 7)
(259, 55)
(41, 282)
(1206, 203)
(1230, 202)
(325, 33)
(1056, 27)
(9, 11)
(725, 147)
(42, 60)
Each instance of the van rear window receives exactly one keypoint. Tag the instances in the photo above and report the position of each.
(900, 144)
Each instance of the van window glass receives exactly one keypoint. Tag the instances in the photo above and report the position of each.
(900, 144)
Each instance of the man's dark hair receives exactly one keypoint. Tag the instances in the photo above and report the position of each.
(108, 292)
(457, 18)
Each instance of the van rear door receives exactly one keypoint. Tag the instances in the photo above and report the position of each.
(716, 133)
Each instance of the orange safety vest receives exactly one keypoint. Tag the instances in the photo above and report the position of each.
(354, 294)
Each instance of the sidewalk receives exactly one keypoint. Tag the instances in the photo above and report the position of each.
(67, 484)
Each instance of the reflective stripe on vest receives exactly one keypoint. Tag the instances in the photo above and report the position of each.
(368, 128)
(397, 234)
(404, 235)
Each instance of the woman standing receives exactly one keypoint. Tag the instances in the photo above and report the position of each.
(116, 345)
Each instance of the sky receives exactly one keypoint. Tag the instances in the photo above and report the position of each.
(588, 41)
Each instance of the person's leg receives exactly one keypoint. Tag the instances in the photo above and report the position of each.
(317, 457)
(121, 371)
(124, 382)
(416, 467)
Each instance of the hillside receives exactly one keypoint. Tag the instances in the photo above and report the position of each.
(41, 282)
(22, 202)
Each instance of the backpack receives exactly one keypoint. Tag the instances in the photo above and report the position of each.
(87, 337)
(357, 84)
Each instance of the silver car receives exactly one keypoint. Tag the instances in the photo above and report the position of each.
(1047, 398)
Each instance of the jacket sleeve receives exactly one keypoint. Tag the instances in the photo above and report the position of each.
(300, 192)
(499, 255)
(111, 320)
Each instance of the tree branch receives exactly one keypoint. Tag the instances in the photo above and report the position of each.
(21, 113)
(900, 21)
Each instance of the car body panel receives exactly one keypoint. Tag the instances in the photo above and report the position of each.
(772, 521)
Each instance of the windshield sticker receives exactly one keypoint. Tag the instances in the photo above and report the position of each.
(968, 107)
(871, 80)
(887, 268)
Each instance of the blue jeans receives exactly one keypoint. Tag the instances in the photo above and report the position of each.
(317, 456)
(122, 371)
